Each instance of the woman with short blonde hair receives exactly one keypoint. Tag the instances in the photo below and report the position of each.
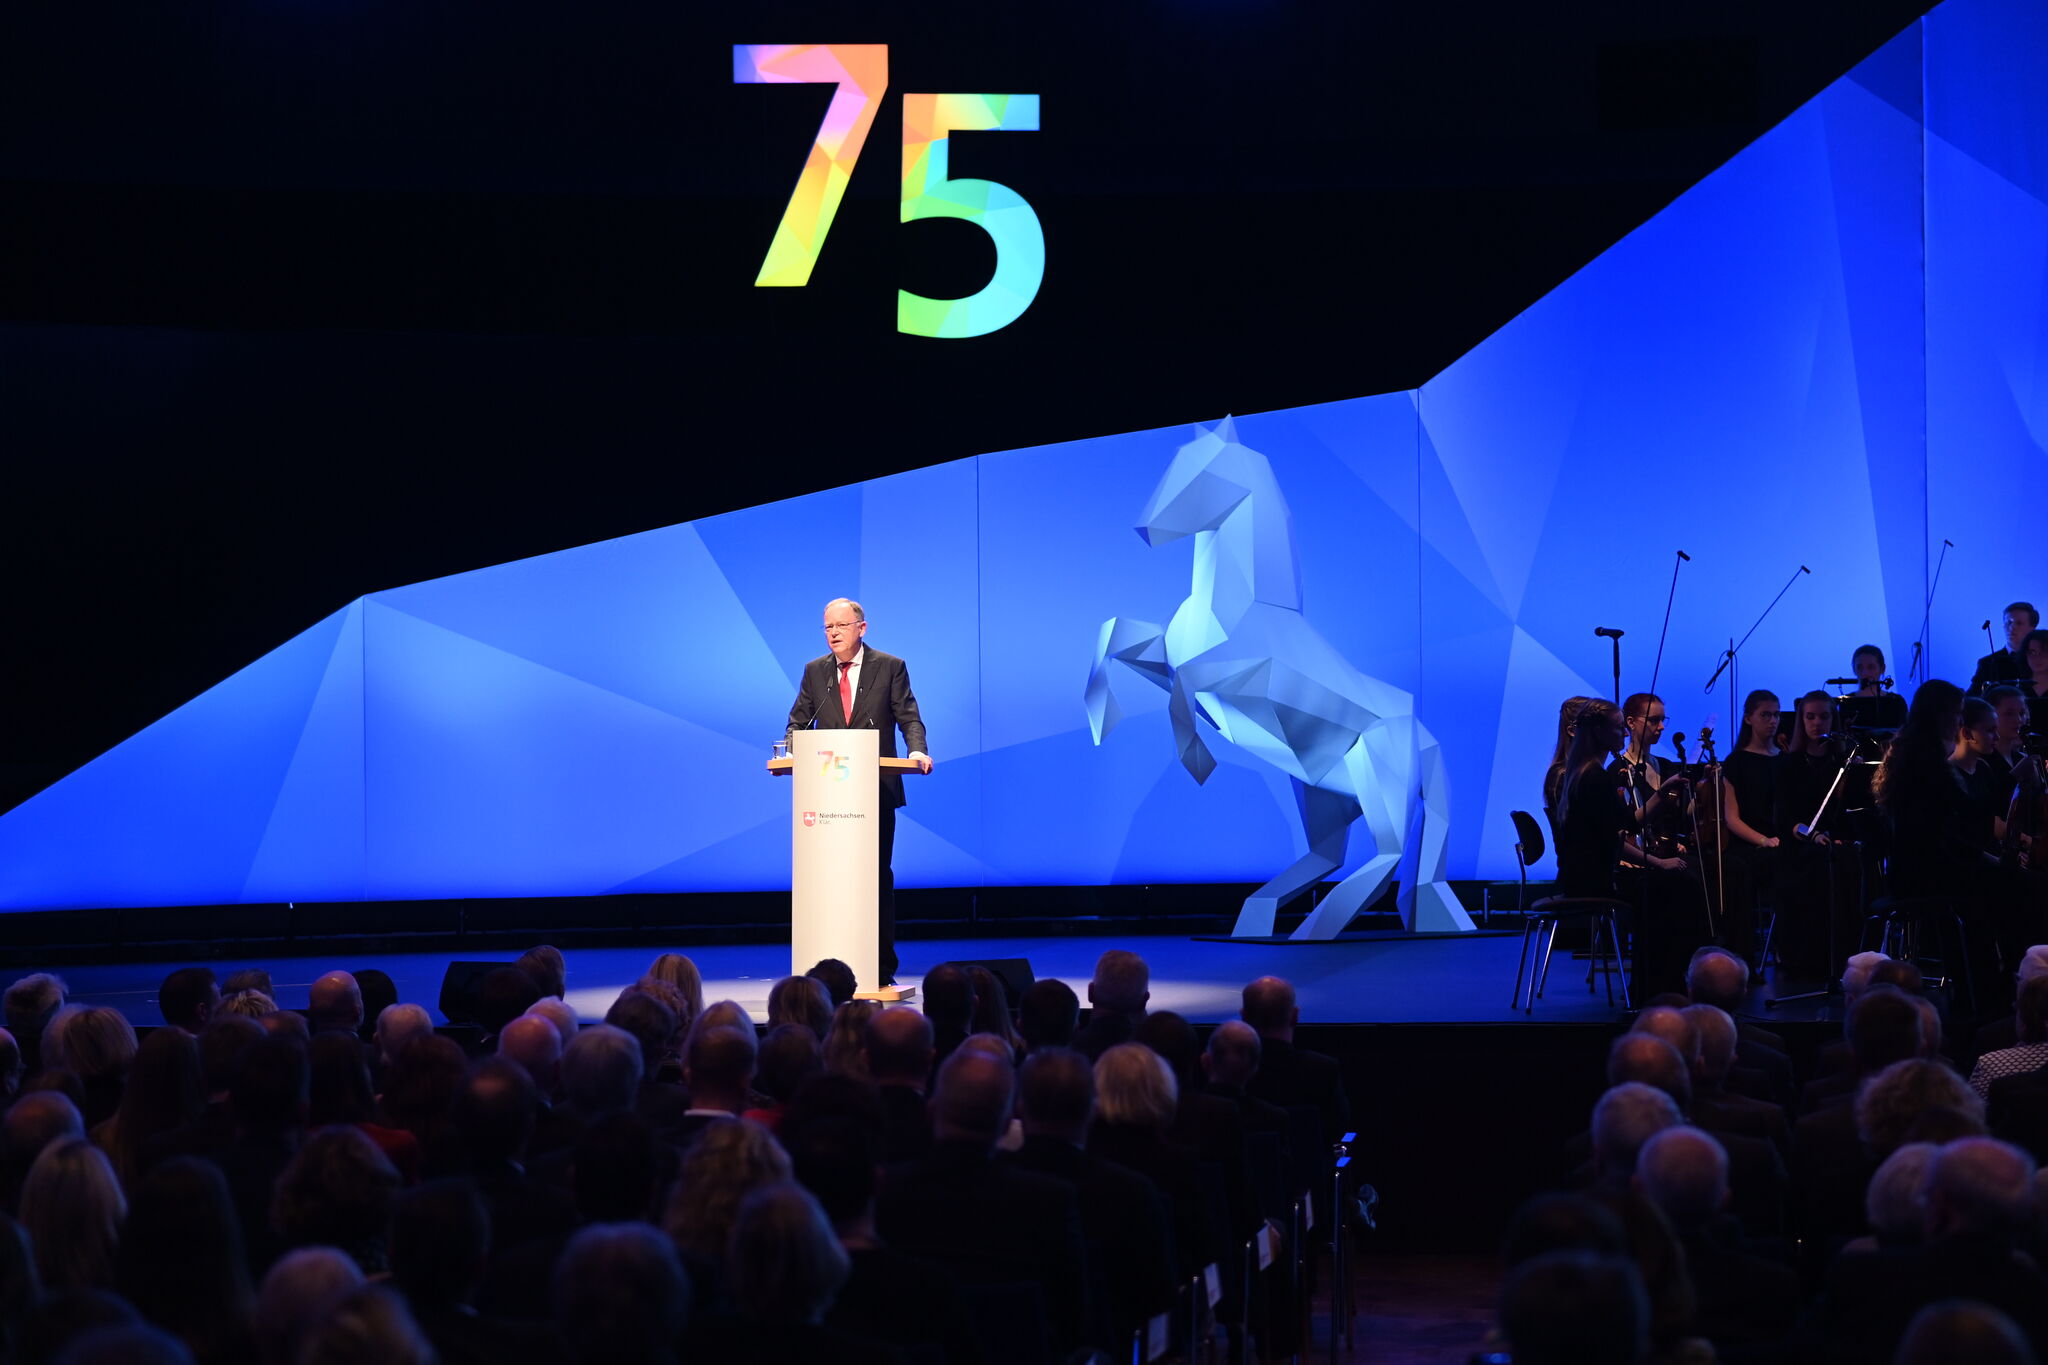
(72, 1210)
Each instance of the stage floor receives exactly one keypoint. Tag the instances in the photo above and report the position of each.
(1369, 980)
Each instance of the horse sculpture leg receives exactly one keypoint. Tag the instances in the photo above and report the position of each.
(1326, 817)
(1428, 903)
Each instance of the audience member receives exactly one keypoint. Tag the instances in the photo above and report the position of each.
(719, 1073)
(730, 1159)
(1136, 1102)
(72, 1210)
(681, 973)
(32, 1123)
(337, 1191)
(165, 1093)
(845, 1051)
(248, 1004)
(188, 998)
(397, 1025)
(601, 1072)
(949, 1006)
(248, 979)
(788, 1057)
(1289, 1075)
(366, 1324)
(293, 1298)
(1049, 1013)
(335, 1001)
(29, 1004)
(181, 1260)
(95, 1043)
(1894, 1101)
(837, 979)
(558, 1013)
(503, 995)
(1740, 1299)
(545, 966)
(440, 1245)
(1574, 1308)
(2029, 1051)
(992, 1009)
(620, 1294)
(1892, 1204)
(1963, 1332)
(900, 1051)
(338, 1092)
(379, 993)
(1117, 996)
(800, 1000)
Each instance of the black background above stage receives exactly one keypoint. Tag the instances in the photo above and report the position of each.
(301, 299)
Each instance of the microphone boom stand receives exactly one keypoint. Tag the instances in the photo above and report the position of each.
(1806, 833)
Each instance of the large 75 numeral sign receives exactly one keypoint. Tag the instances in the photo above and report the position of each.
(859, 73)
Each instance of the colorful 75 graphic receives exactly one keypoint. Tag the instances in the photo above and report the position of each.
(859, 73)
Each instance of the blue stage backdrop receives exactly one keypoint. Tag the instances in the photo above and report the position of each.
(1779, 370)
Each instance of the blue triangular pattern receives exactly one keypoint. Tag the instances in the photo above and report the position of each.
(316, 834)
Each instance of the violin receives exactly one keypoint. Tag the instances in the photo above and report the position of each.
(2025, 817)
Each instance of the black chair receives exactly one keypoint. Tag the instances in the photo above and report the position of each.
(1540, 929)
(1906, 927)
(1528, 848)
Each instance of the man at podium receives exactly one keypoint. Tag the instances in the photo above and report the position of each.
(857, 688)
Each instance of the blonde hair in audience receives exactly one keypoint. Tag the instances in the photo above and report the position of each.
(681, 973)
(845, 1041)
(730, 1159)
(72, 1210)
(1134, 1086)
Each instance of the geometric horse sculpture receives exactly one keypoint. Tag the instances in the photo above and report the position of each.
(1239, 658)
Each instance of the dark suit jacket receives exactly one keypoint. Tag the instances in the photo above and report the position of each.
(2017, 1110)
(881, 701)
(2004, 666)
(906, 1124)
(1871, 1296)
(1289, 1075)
(1129, 1231)
(992, 1224)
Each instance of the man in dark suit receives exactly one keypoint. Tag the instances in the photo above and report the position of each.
(857, 688)
(898, 1046)
(1117, 996)
(2008, 664)
(1289, 1075)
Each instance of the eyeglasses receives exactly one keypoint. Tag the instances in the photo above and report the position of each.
(843, 625)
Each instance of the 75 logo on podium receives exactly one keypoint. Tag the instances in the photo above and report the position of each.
(859, 74)
(838, 769)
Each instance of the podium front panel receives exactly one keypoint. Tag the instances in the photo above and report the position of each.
(835, 807)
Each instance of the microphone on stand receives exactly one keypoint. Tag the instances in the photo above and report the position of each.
(1989, 638)
(1608, 634)
(1855, 682)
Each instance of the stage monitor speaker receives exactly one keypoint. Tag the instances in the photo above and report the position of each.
(458, 989)
(1013, 972)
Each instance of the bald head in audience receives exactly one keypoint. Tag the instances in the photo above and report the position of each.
(1650, 1060)
(1963, 1332)
(1717, 977)
(1270, 1008)
(1625, 1118)
(532, 1042)
(1232, 1057)
(1056, 1094)
(972, 1103)
(1715, 1029)
(1684, 1172)
(1672, 1025)
(898, 1045)
(1978, 1187)
(1122, 984)
(335, 1001)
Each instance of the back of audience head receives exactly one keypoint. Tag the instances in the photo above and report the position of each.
(338, 1081)
(545, 966)
(1625, 1118)
(421, 1082)
(252, 1005)
(1684, 1172)
(845, 1050)
(784, 1262)
(1717, 977)
(63, 1317)
(620, 1294)
(1884, 1026)
(1963, 1332)
(1890, 1104)
(1173, 1038)
(837, 978)
(800, 1000)
(287, 1024)
(1049, 1013)
(789, 1056)
(166, 1090)
(1122, 983)
(682, 973)
(92, 1042)
(1672, 1025)
(1562, 1222)
(247, 979)
(72, 1209)
(223, 1045)
(1978, 1187)
(293, 1297)
(380, 993)
(35, 1121)
(558, 1013)
(726, 1014)
(29, 1004)
(1718, 1039)
(1892, 1201)
(503, 995)
(948, 997)
(271, 1087)
(337, 1191)
(836, 1158)
(10, 1065)
(2030, 1014)
(899, 1047)
(368, 1323)
(1856, 973)
(730, 1159)
(188, 998)
(602, 1070)
(1056, 1094)
(719, 1066)
(1896, 972)
(335, 1001)
(1232, 1057)
(992, 1007)
(440, 1239)
(532, 1042)
(652, 1024)
(973, 1098)
(1134, 1088)
(493, 1114)
(181, 1260)
(136, 1343)
(1269, 1006)
(1574, 1308)
(1648, 1059)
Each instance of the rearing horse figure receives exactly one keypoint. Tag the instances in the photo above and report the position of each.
(1239, 655)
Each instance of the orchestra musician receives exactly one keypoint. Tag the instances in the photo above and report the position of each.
(2034, 679)
(2009, 705)
(1802, 887)
(1870, 707)
(2008, 664)
(1553, 780)
(1987, 787)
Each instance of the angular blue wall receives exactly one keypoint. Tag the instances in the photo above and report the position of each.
(1830, 352)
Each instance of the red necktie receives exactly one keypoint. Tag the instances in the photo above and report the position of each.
(846, 690)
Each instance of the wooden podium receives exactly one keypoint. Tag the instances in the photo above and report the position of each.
(834, 802)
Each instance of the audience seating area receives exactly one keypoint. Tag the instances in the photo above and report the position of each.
(975, 1180)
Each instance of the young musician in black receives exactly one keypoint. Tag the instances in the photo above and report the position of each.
(1802, 887)
(1870, 707)
(2009, 705)
(2008, 664)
